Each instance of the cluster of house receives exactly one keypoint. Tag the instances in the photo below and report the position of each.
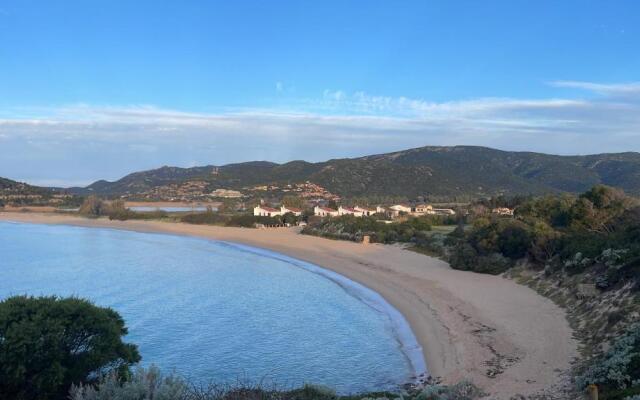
(264, 211)
(357, 211)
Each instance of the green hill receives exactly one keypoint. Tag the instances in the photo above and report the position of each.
(426, 171)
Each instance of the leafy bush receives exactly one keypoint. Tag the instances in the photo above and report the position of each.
(48, 343)
(349, 227)
(150, 384)
(618, 368)
(93, 207)
(459, 391)
(147, 384)
(205, 218)
(596, 232)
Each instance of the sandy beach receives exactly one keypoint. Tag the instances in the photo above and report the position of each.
(487, 329)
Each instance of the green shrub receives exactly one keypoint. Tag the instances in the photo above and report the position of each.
(48, 343)
(459, 391)
(147, 384)
(619, 367)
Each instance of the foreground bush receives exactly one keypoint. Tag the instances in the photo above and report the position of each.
(47, 343)
(616, 372)
(144, 384)
(150, 384)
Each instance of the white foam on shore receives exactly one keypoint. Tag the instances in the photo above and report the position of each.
(402, 330)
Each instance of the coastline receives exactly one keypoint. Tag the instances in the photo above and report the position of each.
(487, 329)
(409, 344)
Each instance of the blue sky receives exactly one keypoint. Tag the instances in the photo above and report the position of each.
(97, 89)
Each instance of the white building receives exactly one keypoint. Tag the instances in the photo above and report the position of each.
(262, 211)
(325, 212)
(398, 208)
(423, 209)
(295, 211)
(349, 211)
(502, 211)
(443, 211)
(366, 211)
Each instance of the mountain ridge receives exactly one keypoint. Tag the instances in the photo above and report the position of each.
(425, 171)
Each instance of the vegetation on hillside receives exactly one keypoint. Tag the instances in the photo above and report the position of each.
(242, 220)
(411, 230)
(600, 228)
(151, 384)
(459, 173)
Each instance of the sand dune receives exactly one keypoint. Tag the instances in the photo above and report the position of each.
(502, 336)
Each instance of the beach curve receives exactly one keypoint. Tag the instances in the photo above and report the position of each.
(482, 328)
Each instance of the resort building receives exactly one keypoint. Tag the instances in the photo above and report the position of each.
(396, 209)
(401, 208)
(366, 211)
(349, 211)
(263, 211)
(295, 211)
(444, 211)
(422, 209)
(325, 212)
(502, 211)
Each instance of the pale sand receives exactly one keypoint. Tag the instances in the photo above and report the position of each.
(467, 323)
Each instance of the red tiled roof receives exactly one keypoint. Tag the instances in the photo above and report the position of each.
(269, 209)
(327, 209)
(293, 209)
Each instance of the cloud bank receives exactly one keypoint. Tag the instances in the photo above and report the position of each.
(77, 144)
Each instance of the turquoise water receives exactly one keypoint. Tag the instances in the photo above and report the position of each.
(215, 311)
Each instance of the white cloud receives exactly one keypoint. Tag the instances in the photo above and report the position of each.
(40, 142)
(601, 88)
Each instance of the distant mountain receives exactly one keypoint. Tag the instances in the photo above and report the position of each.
(9, 186)
(426, 171)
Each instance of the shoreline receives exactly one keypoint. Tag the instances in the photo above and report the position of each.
(408, 343)
(482, 328)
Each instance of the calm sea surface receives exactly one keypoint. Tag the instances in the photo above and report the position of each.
(212, 311)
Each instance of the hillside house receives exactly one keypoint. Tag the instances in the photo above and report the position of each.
(349, 211)
(401, 208)
(502, 211)
(423, 209)
(396, 209)
(366, 211)
(263, 211)
(444, 211)
(325, 212)
(295, 211)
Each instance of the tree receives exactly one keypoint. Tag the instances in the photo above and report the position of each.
(49, 343)
(92, 206)
(293, 201)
